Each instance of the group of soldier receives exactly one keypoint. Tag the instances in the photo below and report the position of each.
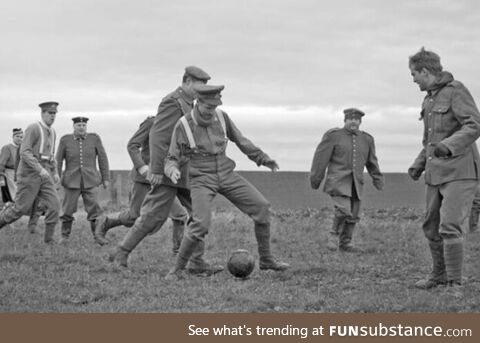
(180, 165)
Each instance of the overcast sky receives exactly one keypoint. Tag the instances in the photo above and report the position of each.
(289, 67)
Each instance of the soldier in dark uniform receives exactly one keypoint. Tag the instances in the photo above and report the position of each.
(80, 151)
(451, 163)
(8, 159)
(139, 150)
(37, 173)
(158, 202)
(345, 152)
(199, 141)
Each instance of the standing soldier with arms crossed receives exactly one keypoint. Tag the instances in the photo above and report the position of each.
(451, 163)
(345, 152)
(139, 151)
(80, 151)
(37, 173)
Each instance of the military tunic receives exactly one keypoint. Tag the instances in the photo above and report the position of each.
(212, 172)
(343, 155)
(8, 158)
(36, 153)
(451, 117)
(81, 176)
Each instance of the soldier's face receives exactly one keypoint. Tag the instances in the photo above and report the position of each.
(80, 129)
(191, 83)
(207, 111)
(421, 78)
(18, 138)
(353, 123)
(48, 117)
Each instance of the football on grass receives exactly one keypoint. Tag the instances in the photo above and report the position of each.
(241, 263)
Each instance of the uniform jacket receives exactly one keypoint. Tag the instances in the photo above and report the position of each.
(343, 155)
(139, 149)
(8, 157)
(33, 156)
(172, 108)
(80, 155)
(451, 117)
(210, 141)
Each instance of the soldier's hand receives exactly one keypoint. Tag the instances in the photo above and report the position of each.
(154, 179)
(56, 178)
(174, 175)
(441, 151)
(106, 183)
(414, 173)
(44, 174)
(143, 170)
(272, 164)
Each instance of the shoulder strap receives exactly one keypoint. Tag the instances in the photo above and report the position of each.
(188, 131)
(42, 137)
(183, 105)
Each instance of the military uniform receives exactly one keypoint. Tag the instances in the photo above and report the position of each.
(139, 151)
(8, 156)
(451, 119)
(159, 200)
(201, 146)
(36, 157)
(475, 210)
(81, 176)
(345, 153)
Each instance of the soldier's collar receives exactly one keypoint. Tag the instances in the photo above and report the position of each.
(77, 137)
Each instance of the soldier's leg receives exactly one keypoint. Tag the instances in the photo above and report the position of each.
(250, 201)
(454, 212)
(92, 207)
(179, 217)
(342, 210)
(27, 190)
(34, 217)
(69, 207)
(48, 196)
(475, 211)
(351, 220)
(431, 225)
(153, 213)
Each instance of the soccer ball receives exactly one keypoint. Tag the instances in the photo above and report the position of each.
(241, 263)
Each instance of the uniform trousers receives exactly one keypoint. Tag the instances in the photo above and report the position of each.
(347, 207)
(90, 202)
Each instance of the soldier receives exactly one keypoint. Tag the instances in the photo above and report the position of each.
(345, 152)
(451, 162)
(80, 151)
(201, 138)
(475, 211)
(37, 173)
(8, 158)
(158, 202)
(139, 151)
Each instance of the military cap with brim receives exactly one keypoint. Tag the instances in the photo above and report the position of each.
(16, 131)
(49, 106)
(197, 73)
(79, 120)
(353, 113)
(209, 94)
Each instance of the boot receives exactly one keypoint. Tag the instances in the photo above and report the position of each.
(105, 223)
(178, 228)
(65, 231)
(453, 252)
(92, 227)
(267, 261)
(2, 222)
(333, 235)
(474, 213)
(32, 222)
(346, 238)
(438, 276)
(186, 250)
(119, 257)
(49, 232)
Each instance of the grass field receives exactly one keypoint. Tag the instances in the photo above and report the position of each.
(76, 277)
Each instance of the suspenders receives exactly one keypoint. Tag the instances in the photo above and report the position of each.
(42, 142)
(188, 130)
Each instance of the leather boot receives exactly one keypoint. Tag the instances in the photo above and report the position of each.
(178, 227)
(119, 257)
(438, 276)
(267, 261)
(65, 231)
(474, 213)
(333, 235)
(187, 247)
(92, 227)
(32, 222)
(346, 235)
(105, 223)
(2, 222)
(49, 233)
(453, 253)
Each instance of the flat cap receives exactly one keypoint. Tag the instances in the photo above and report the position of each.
(79, 120)
(197, 73)
(16, 131)
(209, 94)
(353, 113)
(49, 106)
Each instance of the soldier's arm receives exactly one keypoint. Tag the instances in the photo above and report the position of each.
(26, 151)
(175, 154)
(373, 167)
(466, 112)
(320, 161)
(161, 134)
(102, 159)
(4, 157)
(60, 156)
(245, 145)
(134, 145)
